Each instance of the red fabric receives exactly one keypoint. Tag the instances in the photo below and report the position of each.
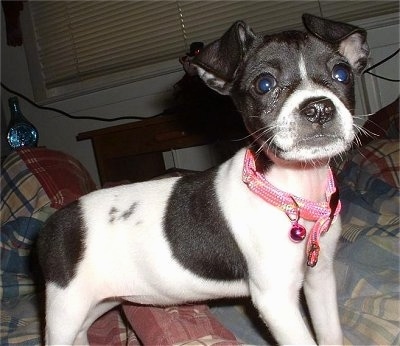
(63, 177)
(177, 325)
(110, 330)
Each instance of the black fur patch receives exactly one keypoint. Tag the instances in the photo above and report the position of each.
(115, 214)
(130, 211)
(198, 233)
(112, 213)
(61, 245)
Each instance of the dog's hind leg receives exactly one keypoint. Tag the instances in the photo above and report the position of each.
(66, 311)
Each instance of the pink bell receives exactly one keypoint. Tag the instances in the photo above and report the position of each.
(297, 232)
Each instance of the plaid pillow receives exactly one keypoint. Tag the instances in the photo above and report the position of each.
(34, 181)
(63, 177)
(21, 192)
(369, 190)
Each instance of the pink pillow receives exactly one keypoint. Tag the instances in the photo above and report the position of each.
(178, 325)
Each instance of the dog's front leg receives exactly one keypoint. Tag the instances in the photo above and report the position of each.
(279, 308)
(320, 292)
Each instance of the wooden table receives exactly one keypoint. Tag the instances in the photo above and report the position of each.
(134, 151)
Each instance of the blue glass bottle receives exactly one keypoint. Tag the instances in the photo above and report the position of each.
(21, 133)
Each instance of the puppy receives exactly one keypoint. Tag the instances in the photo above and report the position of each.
(264, 223)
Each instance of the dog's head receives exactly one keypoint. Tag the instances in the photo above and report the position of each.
(295, 90)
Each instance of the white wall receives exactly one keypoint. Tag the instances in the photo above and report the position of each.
(379, 92)
(144, 98)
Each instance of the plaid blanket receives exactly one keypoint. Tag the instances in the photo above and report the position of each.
(34, 182)
(62, 177)
(21, 192)
(370, 189)
(367, 261)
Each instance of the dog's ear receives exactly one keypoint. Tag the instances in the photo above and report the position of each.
(351, 40)
(218, 62)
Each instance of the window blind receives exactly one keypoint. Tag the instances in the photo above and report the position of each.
(80, 42)
(207, 20)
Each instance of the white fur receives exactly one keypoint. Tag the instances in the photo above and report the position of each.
(273, 258)
(302, 68)
(351, 48)
(132, 260)
(217, 83)
(287, 135)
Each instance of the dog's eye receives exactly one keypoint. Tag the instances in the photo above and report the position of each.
(341, 73)
(265, 83)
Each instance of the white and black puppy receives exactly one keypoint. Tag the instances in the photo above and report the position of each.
(256, 225)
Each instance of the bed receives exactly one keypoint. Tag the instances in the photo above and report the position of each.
(36, 182)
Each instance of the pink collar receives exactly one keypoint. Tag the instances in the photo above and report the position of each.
(324, 214)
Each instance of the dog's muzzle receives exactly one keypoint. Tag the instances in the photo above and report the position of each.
(318, 111)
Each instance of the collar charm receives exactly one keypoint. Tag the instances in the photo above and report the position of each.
(323, 214)
(297, 232)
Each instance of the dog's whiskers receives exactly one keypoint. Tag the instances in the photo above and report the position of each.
(263, 130)
(267, 144)
(363, 131)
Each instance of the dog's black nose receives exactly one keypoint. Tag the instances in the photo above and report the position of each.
(318, 111)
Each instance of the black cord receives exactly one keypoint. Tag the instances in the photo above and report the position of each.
(74, 116)
(368, 70)
(142, 118)
(384, 78)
